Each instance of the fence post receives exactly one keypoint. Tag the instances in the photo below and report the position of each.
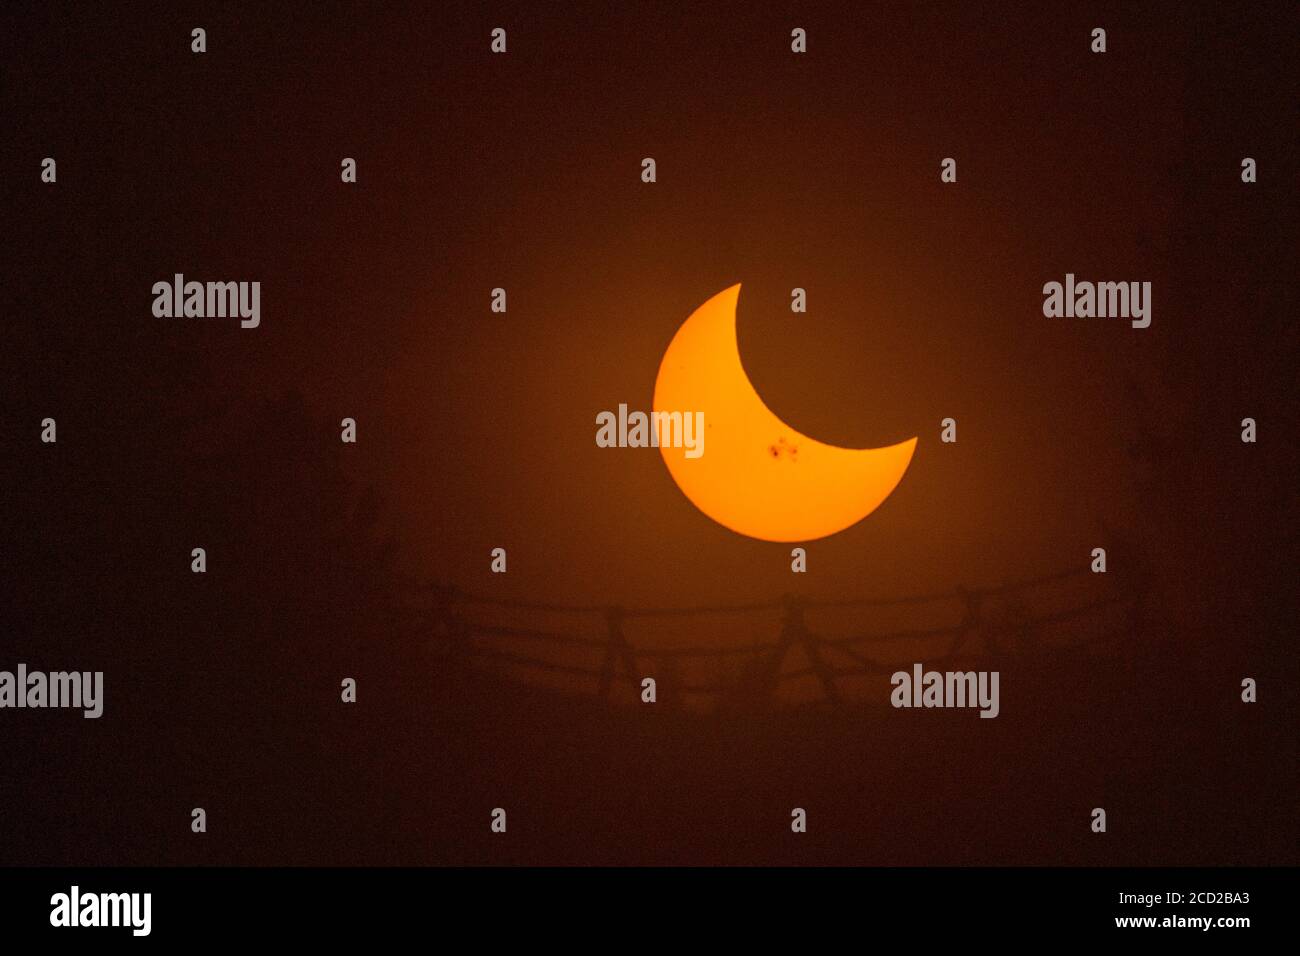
(970, 621)
(447, 625)
(794, 631)
(616, 648)
(794, 620)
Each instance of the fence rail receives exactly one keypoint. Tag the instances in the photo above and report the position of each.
(456, 619)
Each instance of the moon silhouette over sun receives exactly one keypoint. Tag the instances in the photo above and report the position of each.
(757, 475)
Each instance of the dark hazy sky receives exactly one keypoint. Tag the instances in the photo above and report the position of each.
(775, 170)
(477, 429)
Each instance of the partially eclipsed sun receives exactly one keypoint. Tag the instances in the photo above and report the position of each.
(758, 476)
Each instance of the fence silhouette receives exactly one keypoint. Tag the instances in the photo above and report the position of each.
(992, 623)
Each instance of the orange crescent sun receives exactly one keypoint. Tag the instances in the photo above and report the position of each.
(757, 475)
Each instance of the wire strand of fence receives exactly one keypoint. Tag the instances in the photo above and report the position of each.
(624, 661)
(863, 665)
(458, 596)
